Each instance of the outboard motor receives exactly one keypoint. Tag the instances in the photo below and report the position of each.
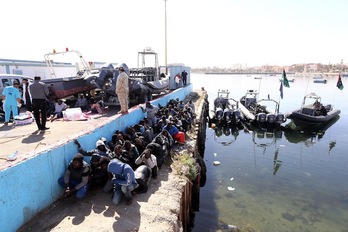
(280, 118)
(261, 118)
(238, 116)
(271, 119)
(227, 115)
(219, 113)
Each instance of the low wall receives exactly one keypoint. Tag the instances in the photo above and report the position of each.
(29, 187)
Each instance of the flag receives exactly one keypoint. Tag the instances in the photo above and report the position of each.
(285, 80)
(281, 89)
(339, 82)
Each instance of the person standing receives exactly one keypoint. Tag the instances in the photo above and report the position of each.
(151, 111)
(122, 90)
(26, 95)
(184, 77)
(39, 92)
(12, 98)
(177, 80)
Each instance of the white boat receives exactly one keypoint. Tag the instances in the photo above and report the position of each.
(260, 112)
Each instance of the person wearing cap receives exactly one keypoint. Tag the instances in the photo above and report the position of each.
(122, 90)
(76, 178)
(39, 92)
(11, 100)
(123, 180)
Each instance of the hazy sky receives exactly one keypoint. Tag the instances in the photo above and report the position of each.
(200, 32)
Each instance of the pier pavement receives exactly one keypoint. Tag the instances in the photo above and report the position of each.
(157, 210)
(29, 141)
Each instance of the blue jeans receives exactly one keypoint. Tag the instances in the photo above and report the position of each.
(126, 190)
(80, 193)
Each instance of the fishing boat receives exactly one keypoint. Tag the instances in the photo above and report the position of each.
(261, 112)
(225, 112)
(312, 111)
(61, 87)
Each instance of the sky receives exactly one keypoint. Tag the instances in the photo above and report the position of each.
(200, 33)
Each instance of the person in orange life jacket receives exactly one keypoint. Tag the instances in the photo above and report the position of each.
(76, 177)
(123, 180)
(174, 132)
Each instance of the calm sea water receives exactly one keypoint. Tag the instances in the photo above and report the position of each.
(285, 182)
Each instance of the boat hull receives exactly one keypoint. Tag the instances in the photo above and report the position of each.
(303, 119)
(64, 87)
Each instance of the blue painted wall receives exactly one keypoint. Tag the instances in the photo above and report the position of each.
(31, 186)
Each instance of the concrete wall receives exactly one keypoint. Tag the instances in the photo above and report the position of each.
(29, 187)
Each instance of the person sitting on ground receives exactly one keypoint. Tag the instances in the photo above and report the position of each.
(95, 107)
(148, 159)
(114, 141)
(120, 154)
(96, 154)
(132, 153)
(157, 148)
(59, 107)
(100, 149)
(82, 103)
(177, 135)
(100, 175)
(75, 180)
(143, 177)
(140, 144)
(123, 180)
(191, 105)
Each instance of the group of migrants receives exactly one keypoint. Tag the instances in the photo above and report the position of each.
(125, 164)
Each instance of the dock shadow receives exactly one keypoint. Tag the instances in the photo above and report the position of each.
(35, 137)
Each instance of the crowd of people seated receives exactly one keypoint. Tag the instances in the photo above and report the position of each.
(125, 164)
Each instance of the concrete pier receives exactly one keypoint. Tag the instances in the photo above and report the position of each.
(30, 193)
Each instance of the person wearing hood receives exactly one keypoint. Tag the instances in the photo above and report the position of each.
(76, 177)
(123, 180)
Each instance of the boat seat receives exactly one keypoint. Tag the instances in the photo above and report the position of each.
(307, 111)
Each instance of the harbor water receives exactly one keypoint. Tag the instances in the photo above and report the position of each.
(288, 181)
